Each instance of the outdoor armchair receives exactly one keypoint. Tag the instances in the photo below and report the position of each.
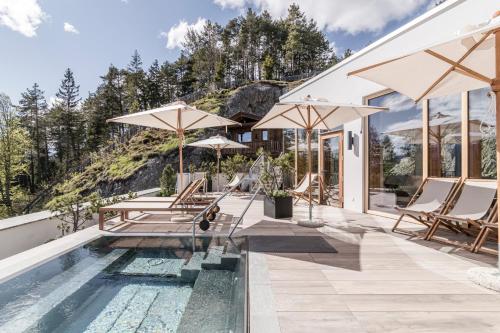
(302, 189)
(472, 205)
(431, 196)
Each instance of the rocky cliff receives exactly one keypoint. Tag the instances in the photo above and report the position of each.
(138, 164)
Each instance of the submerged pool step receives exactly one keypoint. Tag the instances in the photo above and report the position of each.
(145, 266)
(215, 259)
(61, 286)
(207, 309)
(143, 308)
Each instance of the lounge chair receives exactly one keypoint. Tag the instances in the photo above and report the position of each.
(471, 206)
(234, 182)
(184, 202)
(302, 190)
(486, 228)
(431, 196)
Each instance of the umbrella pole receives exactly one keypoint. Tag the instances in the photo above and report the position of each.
(309, 163)
(218, 168)
(181, 162)
(495, 87)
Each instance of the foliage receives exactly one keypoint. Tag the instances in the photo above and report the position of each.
(168, 180)
(272, 176)
(96, 202)
(69, 208)
(232, 165)
(14, 142)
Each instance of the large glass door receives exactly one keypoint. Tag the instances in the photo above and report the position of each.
(331, 169)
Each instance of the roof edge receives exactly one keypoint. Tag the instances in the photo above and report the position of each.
(430, 14)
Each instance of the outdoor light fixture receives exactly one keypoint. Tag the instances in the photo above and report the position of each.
(350, 140)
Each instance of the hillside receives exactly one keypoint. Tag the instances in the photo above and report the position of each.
(137, 164)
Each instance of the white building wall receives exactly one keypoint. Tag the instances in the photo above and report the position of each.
(439, 24)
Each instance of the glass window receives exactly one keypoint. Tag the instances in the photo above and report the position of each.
(245, 137)
(445, 139)
(265, 135)
(394, 152)
(302, 166)
(482, 135)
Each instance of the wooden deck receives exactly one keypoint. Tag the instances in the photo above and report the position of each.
(378, 281)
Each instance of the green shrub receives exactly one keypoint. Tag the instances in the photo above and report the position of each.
(168, 180)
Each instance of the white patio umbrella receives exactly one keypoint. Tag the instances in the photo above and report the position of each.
(218, 142)
(310, 114)
(467, 62)
(176, 117)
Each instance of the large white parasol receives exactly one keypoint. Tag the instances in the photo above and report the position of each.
(310, 114)
(218, 142)
(176, 117)
(467, 62)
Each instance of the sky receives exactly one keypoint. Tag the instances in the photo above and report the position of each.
(41, 38)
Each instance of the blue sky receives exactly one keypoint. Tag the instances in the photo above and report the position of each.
(41, 38)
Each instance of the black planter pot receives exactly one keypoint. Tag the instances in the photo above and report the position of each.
(278, 208)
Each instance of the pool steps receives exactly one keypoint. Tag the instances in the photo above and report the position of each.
(206, 310)
(215, 259)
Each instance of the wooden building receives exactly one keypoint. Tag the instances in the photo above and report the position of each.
(271, 140)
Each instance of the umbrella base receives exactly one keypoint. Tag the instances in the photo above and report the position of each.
(311, 223)
(182, 218)
(485, 277)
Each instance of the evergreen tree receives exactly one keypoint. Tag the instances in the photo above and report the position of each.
(135, 84)
(33, 108)
(154, 95)
(66, 123)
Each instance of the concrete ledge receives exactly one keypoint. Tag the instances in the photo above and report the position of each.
(24, 232)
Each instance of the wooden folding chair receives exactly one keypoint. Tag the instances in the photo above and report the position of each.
(431, 196)
(302, 189)
(471, 205)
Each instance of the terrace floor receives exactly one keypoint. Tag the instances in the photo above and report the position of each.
(377, 281)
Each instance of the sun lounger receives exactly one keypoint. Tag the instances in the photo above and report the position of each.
(183, 203)
(471, 206)
(431, 196)
(302, 190)
(234, 182)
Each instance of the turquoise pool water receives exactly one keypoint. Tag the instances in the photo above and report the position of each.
(131, 284)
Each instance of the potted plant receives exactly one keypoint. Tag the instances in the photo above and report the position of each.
(278, 203)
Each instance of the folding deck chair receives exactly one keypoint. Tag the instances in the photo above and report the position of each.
(302, 190)
(184, 202)
(472, 205)
(431, 196)
(234, 182)
(486, 228)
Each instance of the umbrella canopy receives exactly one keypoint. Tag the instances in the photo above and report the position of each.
(469, 61)
(466, 62)
(310, 114)
(218, 142)
(177, 117)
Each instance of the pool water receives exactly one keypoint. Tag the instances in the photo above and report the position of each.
(130, 284)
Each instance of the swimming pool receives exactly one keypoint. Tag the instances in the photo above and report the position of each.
(132, 284)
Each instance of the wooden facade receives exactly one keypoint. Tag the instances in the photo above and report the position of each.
(270, 140)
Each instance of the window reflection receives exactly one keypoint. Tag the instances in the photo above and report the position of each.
(445, 138)
(302, 166)
(395, 152)
(482, 135)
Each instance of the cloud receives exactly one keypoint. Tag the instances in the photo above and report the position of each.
(68, 27)
(352, 16)
(176, 35)
(233, 4)
(23, 16)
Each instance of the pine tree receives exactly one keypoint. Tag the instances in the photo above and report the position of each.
(135, 84)
(33, 108)
(154, 97)
(66, 123)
